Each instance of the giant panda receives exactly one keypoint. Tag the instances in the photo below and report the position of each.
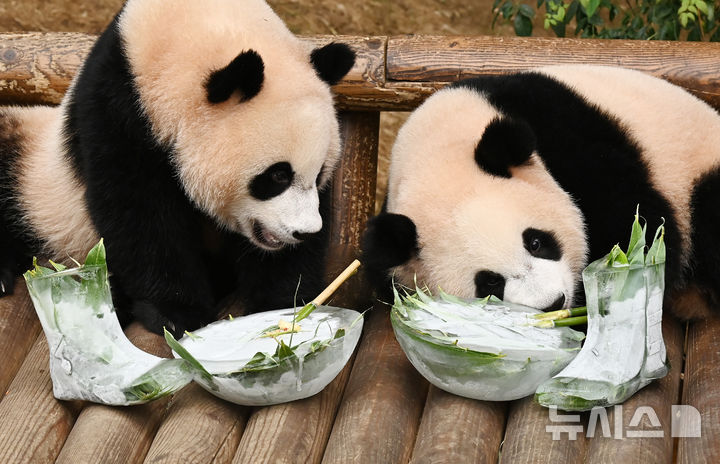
(197, 140)
(508, 185)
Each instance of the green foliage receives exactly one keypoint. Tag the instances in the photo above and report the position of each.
(616, 19)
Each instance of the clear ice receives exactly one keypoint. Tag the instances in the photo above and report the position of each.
(481, 349)
(90, 357)
(225, 348)
(624, 350)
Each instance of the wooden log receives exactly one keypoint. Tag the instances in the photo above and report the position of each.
(298, 431)
(529, 438)
(33, 424)
(390, 74)
(38, 67)
(199, 427)
(19, 328)
(644, 441)
(692, 65)
(701, 390)
(361, 87)
(292, 432)
(456, 429)
(111, 434)
(380, 412)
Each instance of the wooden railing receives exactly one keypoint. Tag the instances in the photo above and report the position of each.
(379, 409)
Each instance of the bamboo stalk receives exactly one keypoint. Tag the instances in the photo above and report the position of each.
(562, 313)
(335, 284)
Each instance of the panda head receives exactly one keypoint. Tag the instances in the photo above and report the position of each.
(243, 106)
(472, 210)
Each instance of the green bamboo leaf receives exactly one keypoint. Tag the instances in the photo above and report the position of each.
(617, 257)
(96, 256)
(656, 254)
(185, 354)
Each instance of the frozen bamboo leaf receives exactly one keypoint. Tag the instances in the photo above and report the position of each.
(90, 357)
(483, 349)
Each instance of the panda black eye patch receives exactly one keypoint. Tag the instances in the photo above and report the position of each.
(541, 244)
(489, 283)
(272, 182)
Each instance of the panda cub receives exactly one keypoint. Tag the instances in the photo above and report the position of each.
(509, 185)
(197, 140)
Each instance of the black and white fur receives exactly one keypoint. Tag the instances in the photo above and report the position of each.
(509, 185)
(197, 140)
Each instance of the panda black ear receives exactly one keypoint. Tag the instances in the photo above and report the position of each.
(506, 142)
(333, 61)
(389, 240)
(245, 74)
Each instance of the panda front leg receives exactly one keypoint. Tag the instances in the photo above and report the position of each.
(155, 258)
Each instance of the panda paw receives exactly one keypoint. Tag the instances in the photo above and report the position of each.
(7, 282)
(177, 323)
(389, 240)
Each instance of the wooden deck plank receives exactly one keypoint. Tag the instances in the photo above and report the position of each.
(199, 427)
(120, 435)
(380, 411)
(33, 424)
(456, 429)
(19, 328)
(292, 432)
(528, 440)
(701, 389)
(637, 444)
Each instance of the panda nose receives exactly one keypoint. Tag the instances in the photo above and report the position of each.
(557, 304)
(302, 236)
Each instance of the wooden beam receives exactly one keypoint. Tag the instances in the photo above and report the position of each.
(391, 73)
(37, 67)
(432, 60)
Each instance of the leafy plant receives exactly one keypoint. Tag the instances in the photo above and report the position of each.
(615, 19)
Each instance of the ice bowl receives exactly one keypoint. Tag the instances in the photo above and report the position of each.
(484, 349)
(233, 360)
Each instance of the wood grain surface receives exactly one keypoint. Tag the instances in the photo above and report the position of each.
(199, 427)
(701, 390)
(37, 67)
(528, 439)
(456, 429)
(33, 424)
(19, 327)
(693, 65)
(391, 73)
(380, 411)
